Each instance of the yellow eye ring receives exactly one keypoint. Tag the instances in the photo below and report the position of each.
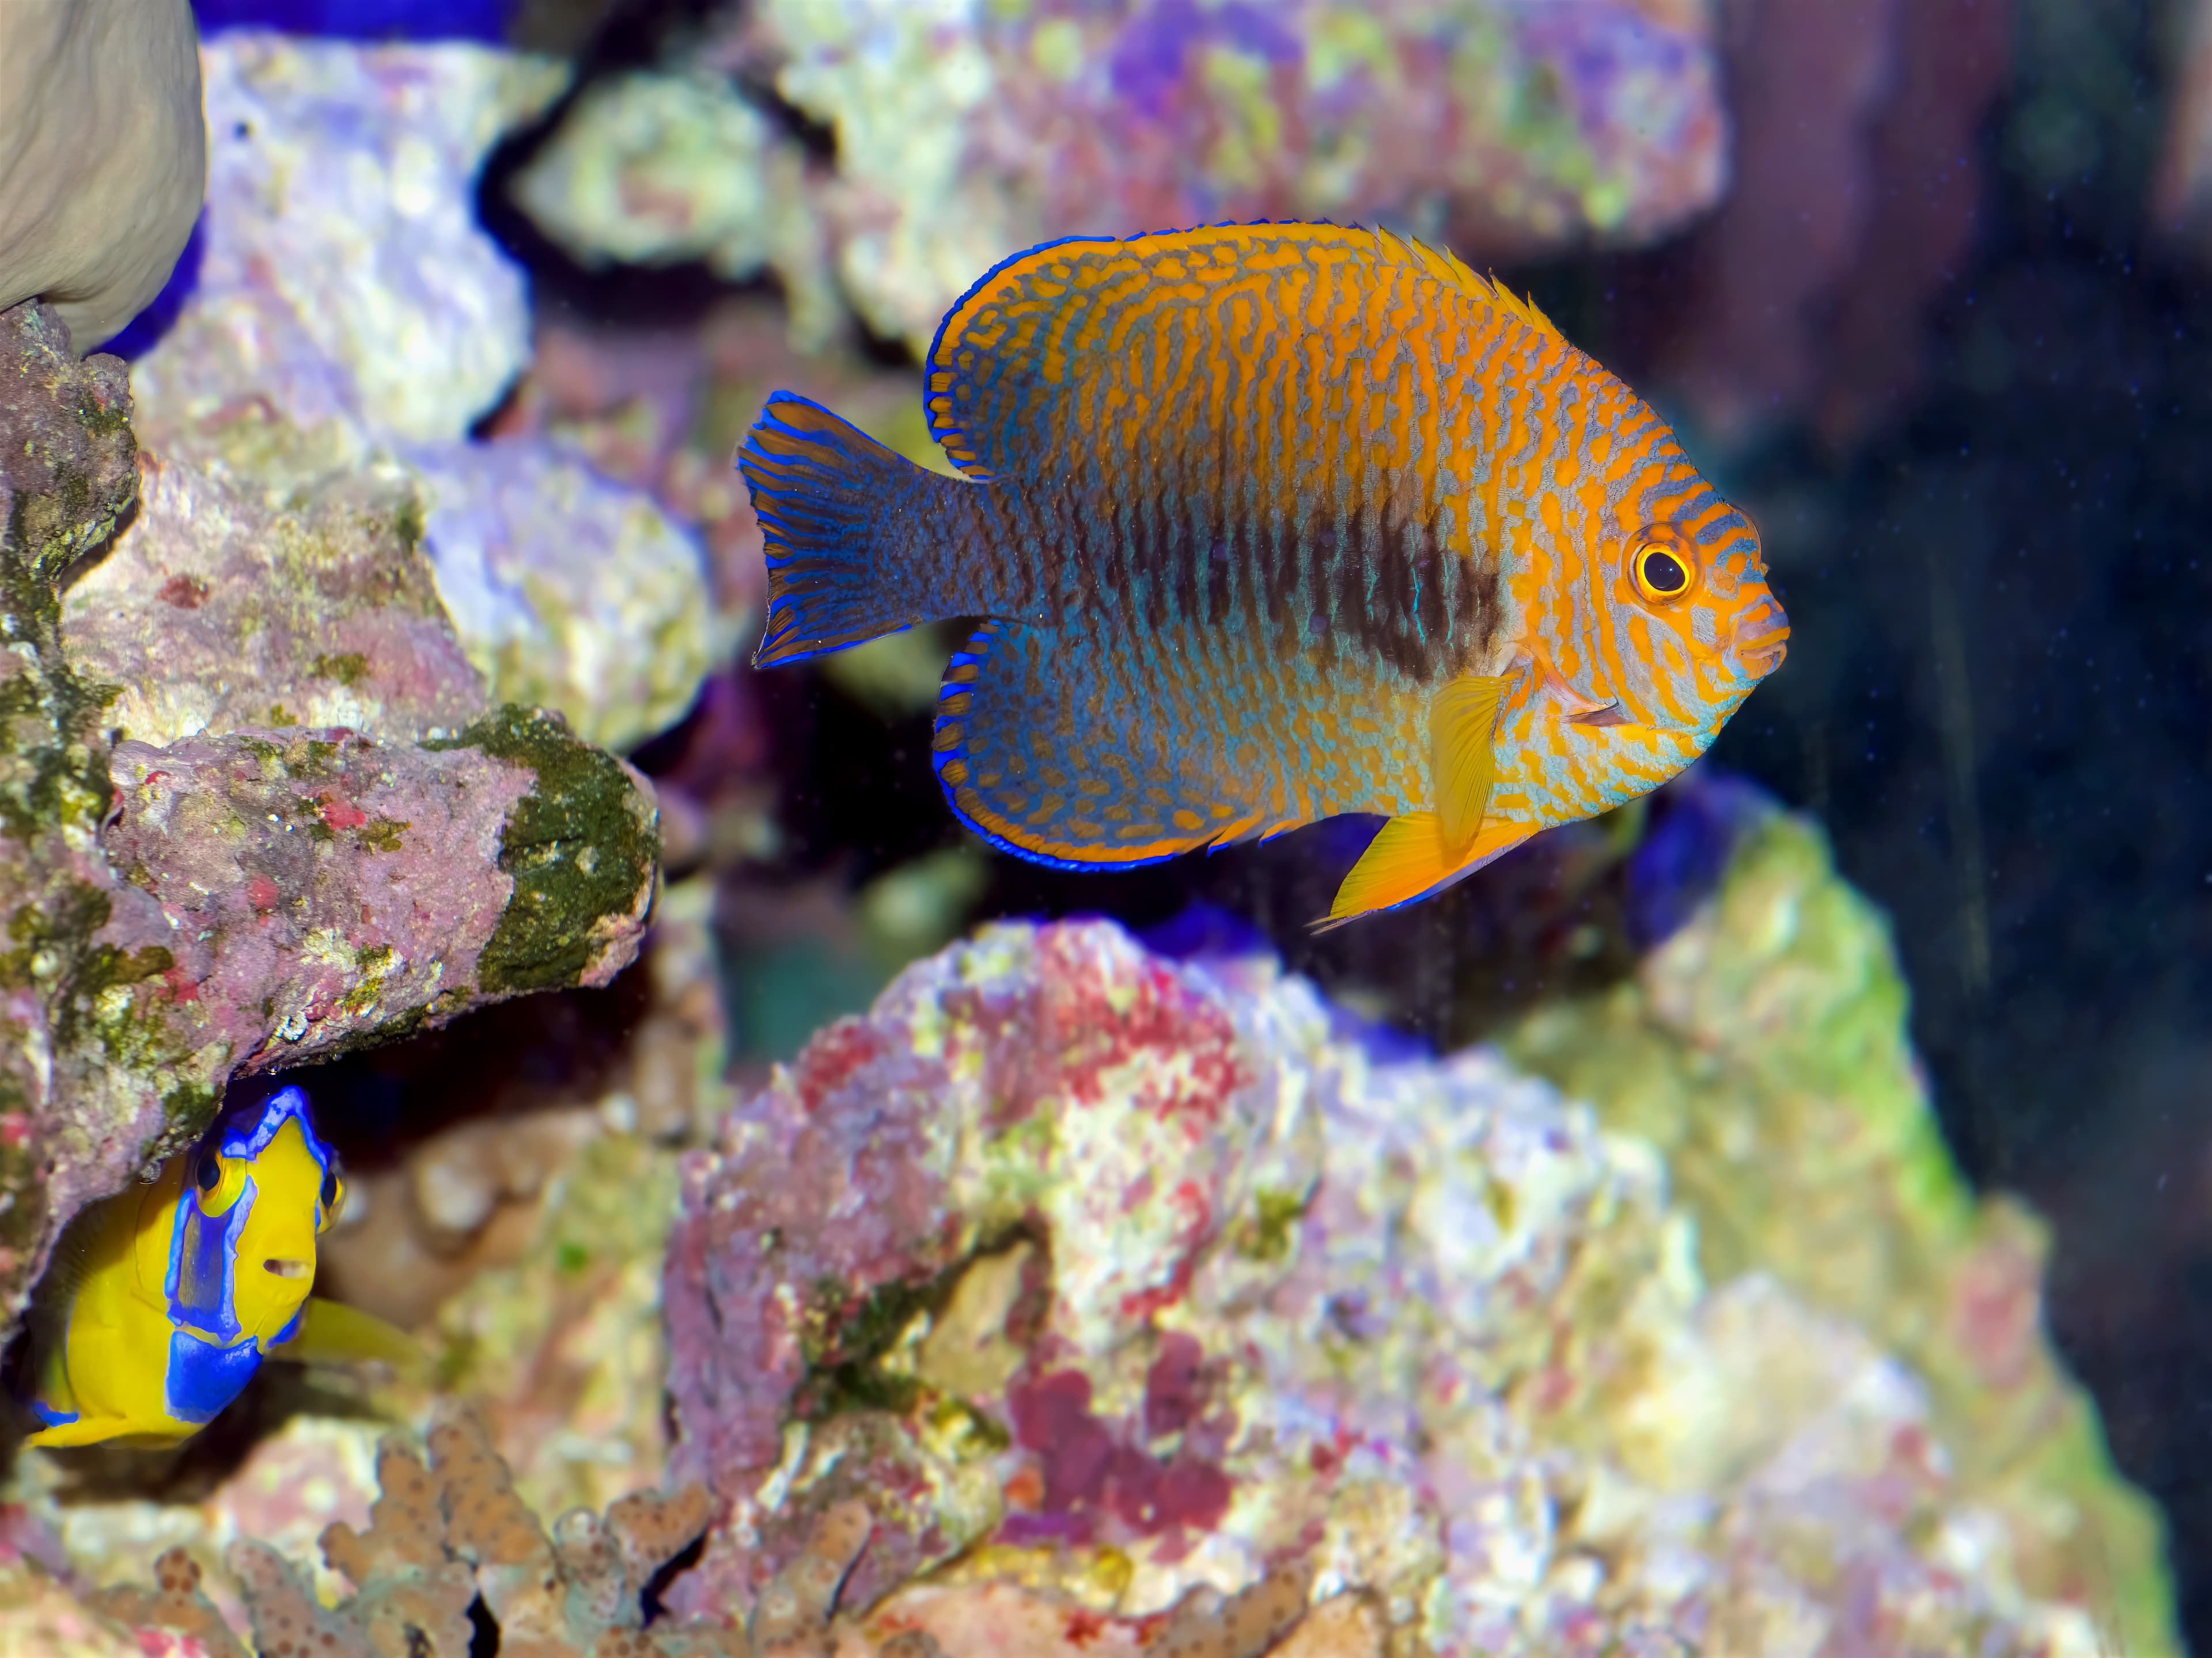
(330, 1202)
(218, 1181)
(1662, 564)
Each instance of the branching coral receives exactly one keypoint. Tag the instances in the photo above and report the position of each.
(451, 1553)
(449, 1543)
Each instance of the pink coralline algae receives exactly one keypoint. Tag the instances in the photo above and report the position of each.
(1106, 1281)
(219, 612)
(315, 884)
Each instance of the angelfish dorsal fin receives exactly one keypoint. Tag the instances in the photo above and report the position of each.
(1462, 721)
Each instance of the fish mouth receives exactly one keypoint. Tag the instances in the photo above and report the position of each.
(284, 1266)
(1759, 650)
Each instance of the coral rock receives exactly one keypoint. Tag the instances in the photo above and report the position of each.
(215, 611)
(351, 318)
(99, 119)
(966, 132)
(568, 590)
(85, 1071)
(1762, 1044)
(317, 889)
(653, 169)
(445, 1539)
(1117, 1288)
(339, 186)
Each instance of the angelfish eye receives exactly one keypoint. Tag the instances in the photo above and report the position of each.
(329, 1190)
(333, 1200)
(1661, 563)
(1662, 574)
(210, 1176)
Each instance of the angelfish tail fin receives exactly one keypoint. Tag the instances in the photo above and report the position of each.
(1407, 859)
(830, 500)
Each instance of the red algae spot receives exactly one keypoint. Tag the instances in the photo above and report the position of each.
(183, 988)
(1174, 1387)
(261, 892)
(1090, 1475)
(831, 1059)
(186, 592)
(341, 813)
(1082, 1627)
(15, 1130)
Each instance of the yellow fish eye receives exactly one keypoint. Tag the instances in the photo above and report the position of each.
(221, 1181)
(1662, 564)
(332, 1203)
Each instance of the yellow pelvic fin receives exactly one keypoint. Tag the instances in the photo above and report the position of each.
(1462, 721)
(331, 1333)
(85, 1430)
(1407, 858)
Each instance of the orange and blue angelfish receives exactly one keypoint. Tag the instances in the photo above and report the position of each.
(1262, 524)
(164, 1299)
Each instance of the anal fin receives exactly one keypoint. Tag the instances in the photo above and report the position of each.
(1407, 859)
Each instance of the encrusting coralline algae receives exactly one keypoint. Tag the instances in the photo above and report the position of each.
(1112, 1278)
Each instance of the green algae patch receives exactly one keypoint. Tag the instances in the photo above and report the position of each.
(349, 668)
(581, 846)
(385, 834)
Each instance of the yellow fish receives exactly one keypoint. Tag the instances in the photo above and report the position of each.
(171, 1295)
(1265, 524)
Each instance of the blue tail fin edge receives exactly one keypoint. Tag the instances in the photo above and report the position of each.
(821, 488)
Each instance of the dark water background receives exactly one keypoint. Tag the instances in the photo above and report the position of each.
(1996, 697)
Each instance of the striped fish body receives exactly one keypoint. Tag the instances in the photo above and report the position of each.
(1265, 524)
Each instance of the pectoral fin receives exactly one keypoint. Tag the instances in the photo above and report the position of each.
(1407, 860)
(1462, 721)
(329, 1332)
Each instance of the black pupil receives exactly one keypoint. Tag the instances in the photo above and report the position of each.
(1663, 574)
(329, 1190)
(209, 1175)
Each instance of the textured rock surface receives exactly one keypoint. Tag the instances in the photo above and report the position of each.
(351, 318)
(1127, 1279)
(319, 889)
(338, 195)
(225, 891)
(100, 119)
(86, 1070)
(1762, 1047)
(442, 1543)
(966, 130)
(567, 589)
(652, 168)
(216, 610)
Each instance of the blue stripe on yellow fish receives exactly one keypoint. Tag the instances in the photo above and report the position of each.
(1264, 524)
(165, 1299)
